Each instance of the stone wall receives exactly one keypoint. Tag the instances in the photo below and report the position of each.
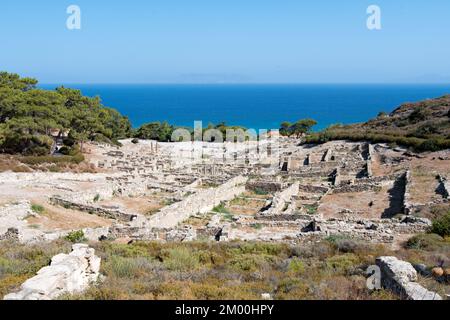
(358, 187)
(407, 199)
(445, 186)
(336, 177)
(400, 277)
(201, 202)
(281, 200)
(100, 211)
(312, 188)
(12, 234)
(67, 273)
(369, 168)
(267, 186)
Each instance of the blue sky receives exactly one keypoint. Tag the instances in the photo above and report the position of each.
(215, 41)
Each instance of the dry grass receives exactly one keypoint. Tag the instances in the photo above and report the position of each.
(16, 163)
(204, 270)
(330, 269)
(20, 262)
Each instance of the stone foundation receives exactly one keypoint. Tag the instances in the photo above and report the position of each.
(201, 202)
(100, 211)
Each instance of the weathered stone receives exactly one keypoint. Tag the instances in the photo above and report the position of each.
(67, 273)
(200, 202)
(281, 201)
(400, 277)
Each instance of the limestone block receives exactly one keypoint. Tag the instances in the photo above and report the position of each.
(67, 273)
(400, 276)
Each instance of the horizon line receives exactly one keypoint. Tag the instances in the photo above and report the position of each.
(244, 83)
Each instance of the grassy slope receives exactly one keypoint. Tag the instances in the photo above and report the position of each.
(331, 269)
(424, 126)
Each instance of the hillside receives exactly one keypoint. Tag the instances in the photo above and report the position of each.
(424, 126)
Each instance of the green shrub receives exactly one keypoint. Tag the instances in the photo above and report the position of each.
(76, 236)
(343, 243)
(257, 226)
(180, 259)
(296, 265)
(64, 150)
(441, 226)
(128, 267)
(248, 262)
(37, 160)
(428, 242)
(311, 208)
(220, 208)
(260, 192)
(37, 208)
(342, 263)
(269, 249)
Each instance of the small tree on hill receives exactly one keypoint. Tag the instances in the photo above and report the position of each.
(302, 127)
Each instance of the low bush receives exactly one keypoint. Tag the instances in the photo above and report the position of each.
(343, 263)
(344, 244)
(260, 192)
(76, 236)
(37, 208)
(441, 226)
(37, 160)
(180, 259)
(428, 242)
(128, 267)
(220, 208)
(350, 134)
(296, 265)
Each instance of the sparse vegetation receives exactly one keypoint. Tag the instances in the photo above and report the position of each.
(37, 208)
(441, 226)
(76, 236)
(260, 192)
(428, 242)
(19, 262)
(311, 208)
(38, 160)
(221, 209)
(200, 270)
(257, 226)
(421, 126)
(167, 202)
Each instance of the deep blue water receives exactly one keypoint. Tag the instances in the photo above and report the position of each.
(256, 106)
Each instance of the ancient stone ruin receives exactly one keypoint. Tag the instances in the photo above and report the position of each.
(176, 192)
(153, 191)
(401, 277)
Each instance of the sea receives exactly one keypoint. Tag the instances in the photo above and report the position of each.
(258, 106)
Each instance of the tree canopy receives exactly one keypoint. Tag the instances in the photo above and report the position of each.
(28, 114)
(155, 131)
(298, 128)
